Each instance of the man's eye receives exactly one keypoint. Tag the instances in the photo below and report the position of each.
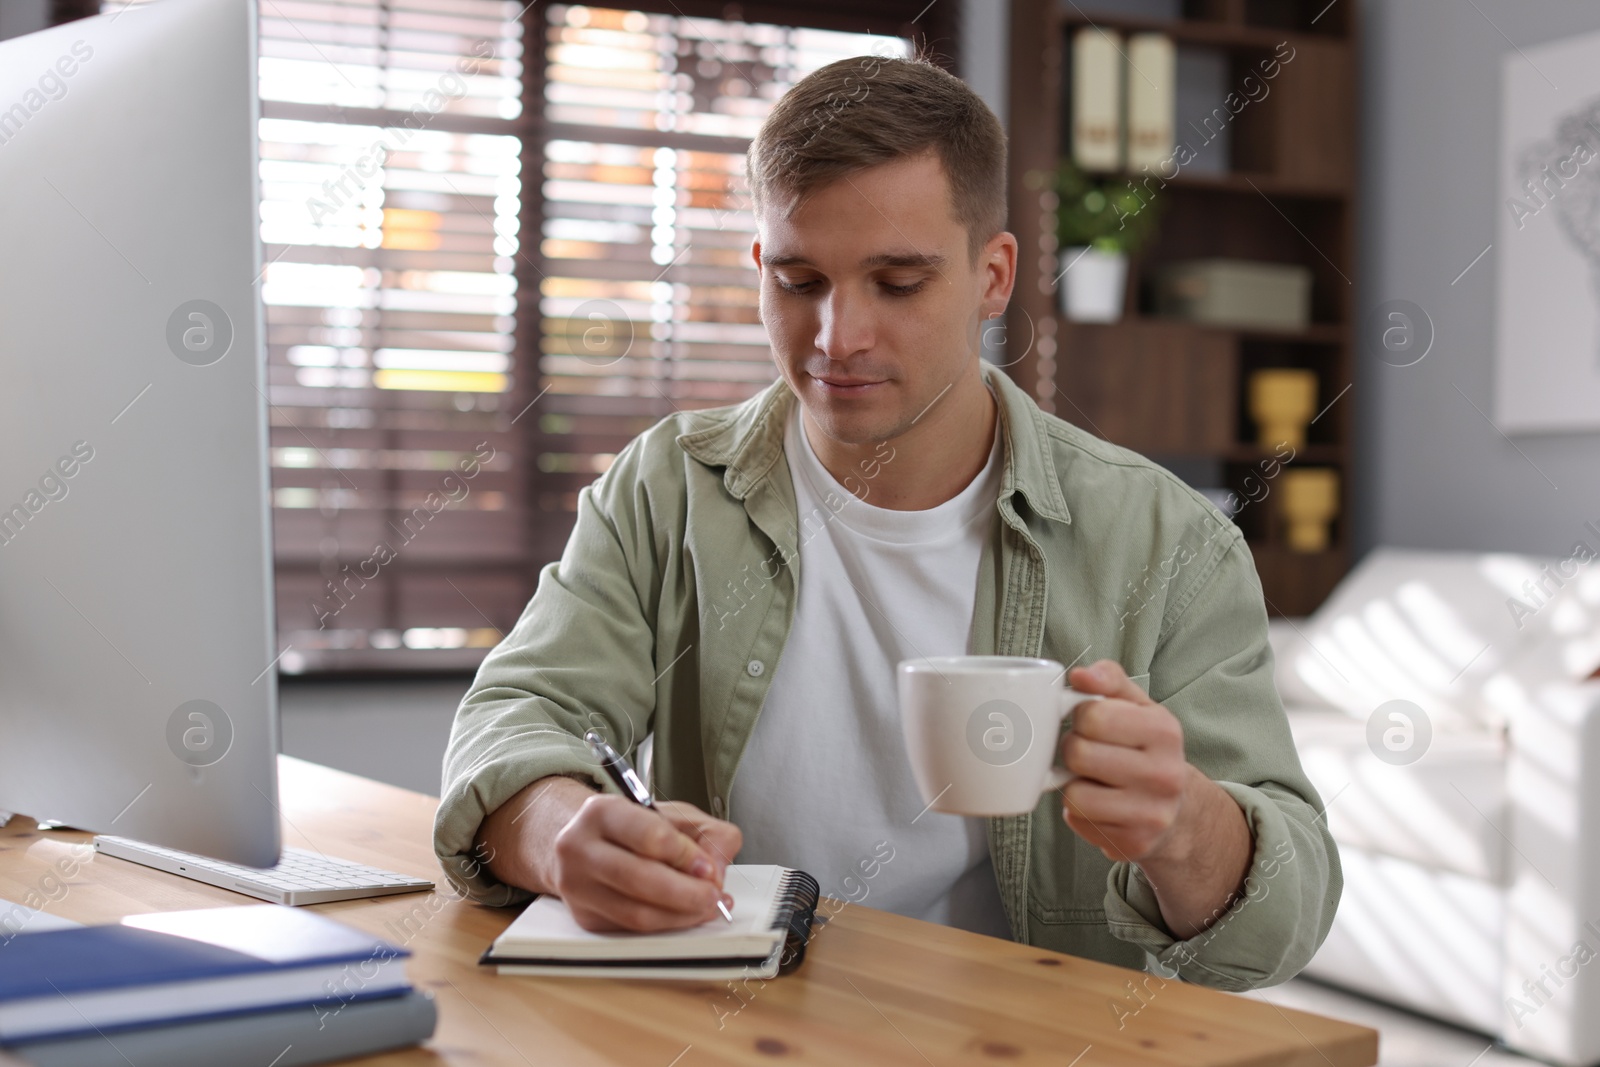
(902, 290)
(795, 287)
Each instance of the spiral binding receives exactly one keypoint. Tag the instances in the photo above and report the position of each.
(797, 907)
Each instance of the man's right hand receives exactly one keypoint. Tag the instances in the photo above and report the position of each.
(620, 866)
(617, 865)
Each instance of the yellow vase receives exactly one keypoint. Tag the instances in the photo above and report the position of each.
(1310, 503)
(1282, 402)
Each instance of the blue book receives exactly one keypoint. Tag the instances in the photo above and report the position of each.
(184, 965)
(282, 1037)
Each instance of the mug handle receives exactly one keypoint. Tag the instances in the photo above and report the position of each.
(1055, 775)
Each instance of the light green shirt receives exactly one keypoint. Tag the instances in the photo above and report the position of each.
(684, 556)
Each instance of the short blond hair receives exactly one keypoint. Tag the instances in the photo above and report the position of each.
(868, 110)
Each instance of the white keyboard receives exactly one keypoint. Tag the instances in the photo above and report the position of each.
(300, 877)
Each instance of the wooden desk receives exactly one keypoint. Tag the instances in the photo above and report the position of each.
(875, 988)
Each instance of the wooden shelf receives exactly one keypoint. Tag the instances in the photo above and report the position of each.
(1318, 333)
(1234, 36)
(1175, 389)
(1236, 183)
(1308, 454)
(1294, 583)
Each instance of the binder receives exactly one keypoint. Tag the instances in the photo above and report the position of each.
(1097, 99)
(1152, 99)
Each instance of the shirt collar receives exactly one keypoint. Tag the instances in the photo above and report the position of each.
(747, 441)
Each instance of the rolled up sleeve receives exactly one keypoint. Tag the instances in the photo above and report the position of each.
(1213, 670)
(1269, 931)
(581, 657)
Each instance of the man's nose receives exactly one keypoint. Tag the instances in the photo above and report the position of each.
(846, 325)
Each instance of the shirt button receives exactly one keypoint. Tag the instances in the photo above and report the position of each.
(755, 668)
(716, 806)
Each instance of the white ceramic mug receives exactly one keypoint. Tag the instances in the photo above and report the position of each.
(983, 732)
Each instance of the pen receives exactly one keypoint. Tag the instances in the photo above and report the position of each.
(622, 774)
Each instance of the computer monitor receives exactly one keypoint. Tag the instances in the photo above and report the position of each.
(137, 689)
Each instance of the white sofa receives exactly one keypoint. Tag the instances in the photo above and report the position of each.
(1472, 874)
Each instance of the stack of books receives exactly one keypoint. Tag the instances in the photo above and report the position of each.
(258, 984)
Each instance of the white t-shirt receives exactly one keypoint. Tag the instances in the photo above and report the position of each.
(824, 783)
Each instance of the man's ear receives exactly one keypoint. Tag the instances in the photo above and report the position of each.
(761, 290)
(998, 264)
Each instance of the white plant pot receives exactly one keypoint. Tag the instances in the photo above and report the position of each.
(1093, 284)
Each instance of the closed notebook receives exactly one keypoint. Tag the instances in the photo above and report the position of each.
(772, 912)
(172, 966)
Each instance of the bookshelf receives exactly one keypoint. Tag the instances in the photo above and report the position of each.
(1175, 390)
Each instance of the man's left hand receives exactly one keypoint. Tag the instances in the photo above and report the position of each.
(1137, 798)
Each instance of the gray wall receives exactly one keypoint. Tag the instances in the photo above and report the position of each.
(18, 17)
(1434, 472)
(394, 731)
(985, 36)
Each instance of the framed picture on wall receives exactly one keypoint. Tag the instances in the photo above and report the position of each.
(1547, 365)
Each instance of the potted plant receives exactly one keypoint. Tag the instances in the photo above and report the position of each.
(1099, 223)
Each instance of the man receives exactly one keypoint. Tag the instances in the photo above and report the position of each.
(742, 582)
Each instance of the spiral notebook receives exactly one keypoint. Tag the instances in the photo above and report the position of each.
(772, 912)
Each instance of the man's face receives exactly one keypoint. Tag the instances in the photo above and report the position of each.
(871, 299)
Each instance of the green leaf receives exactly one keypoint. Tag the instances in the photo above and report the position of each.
(1108, 213)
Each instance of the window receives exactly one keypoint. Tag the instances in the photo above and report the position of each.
(647, 295)
(500, 241)
(391, 148)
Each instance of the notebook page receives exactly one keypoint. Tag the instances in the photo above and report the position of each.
(546, 928)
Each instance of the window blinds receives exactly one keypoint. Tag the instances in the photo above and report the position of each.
(500, 240)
